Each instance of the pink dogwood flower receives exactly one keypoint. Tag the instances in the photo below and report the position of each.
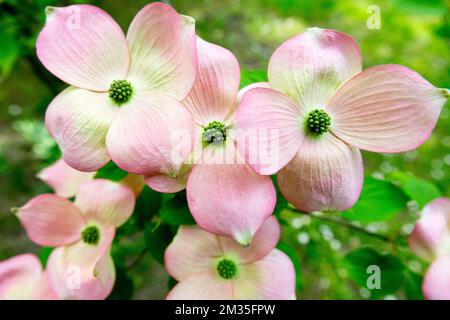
(214, 267)
(66, 181)
(323, 109)
(125, 93)
(81, 266)
(22, 278)
(430, 240)
(63, 179)
(225, 195)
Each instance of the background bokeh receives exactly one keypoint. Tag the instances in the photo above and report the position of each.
(414, 33)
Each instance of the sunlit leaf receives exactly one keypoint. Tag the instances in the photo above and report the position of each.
(366, 266)
(9, 52)
(252, 76)
(111, 172)
(413, 286)
(379, 200)
(44, 253)
(419, 190)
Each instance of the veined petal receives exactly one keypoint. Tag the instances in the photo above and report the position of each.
(192, 251)
(311, 66)
(436, 283)
(51, 221)
(387, 108)
(214, 92)
(202, 286)
(268, 129)
(19, 276)
(78, 120)
(83, 271)
(163, 53)
(431, 235)
(151, 134)
(63, 179)
(326, 174)
(107, 201)
(83, 46)
(229, 199)
(271, 278)
(171, 182)
(248, 88)
(265, 239)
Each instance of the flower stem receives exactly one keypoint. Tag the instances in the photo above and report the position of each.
(347, 224)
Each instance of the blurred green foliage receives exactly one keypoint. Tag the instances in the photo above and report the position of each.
(326, 249)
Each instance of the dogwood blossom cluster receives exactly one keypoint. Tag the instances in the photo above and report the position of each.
(165, 106)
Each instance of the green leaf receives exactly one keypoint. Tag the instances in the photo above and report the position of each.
(292, 254)
(362, 265)
(252, 76)
(147, 205)
(422, 191)
(421, 7)
(9, 51)
(175, 210)
(111, 172)
(379, 200)
(44, 253)
(413, 286)
(123, 287)
(157, 238)
(171, 283)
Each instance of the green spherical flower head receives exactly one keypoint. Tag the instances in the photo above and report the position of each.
(318, 121)
(214, 132)
(120, 91)
(226, 269)
(90, 235)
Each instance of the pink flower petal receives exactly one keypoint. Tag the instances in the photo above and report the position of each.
(163, 53)
(63, 179)
(265, 239)
(436, 283)
(431, 235)
(78, 120)
(269, 130)
(192, 251)
(202, 286)
(311, 66)
(169, 183)
(107, 201)
(83, 46)
(326, 174)
(216, 86)
(248, 88)
(151, 134)
(19, 276)
(51, 221)
(229, 199)
(271, 278)
(83, 271)
(386, 108)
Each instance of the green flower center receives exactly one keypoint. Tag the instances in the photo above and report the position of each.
(318, 121)
(90, 235)
(226, 269)
(120, 91)
(214, 132)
